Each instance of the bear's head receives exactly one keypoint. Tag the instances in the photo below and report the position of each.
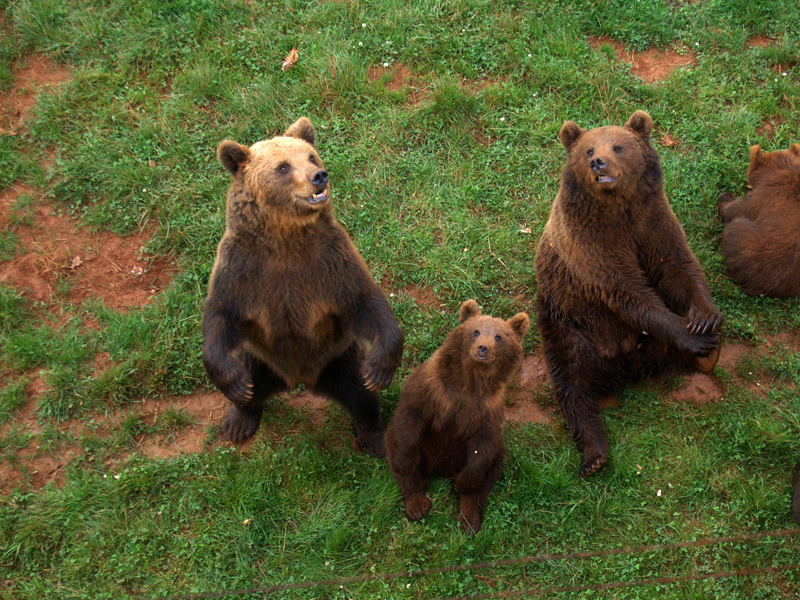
(283, 174)
(489, 340)
(609, 160)
(765, 164)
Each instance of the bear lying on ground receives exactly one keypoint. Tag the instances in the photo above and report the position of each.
(290, 299)
(761, 239)
(621, 296)
(449, 420)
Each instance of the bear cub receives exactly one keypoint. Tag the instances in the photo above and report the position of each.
(620, 296)
(761, 239)
(290, 299)
(449, 419)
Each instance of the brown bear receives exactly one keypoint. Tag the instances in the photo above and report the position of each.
(449, 420)
(761, 239)
(620, 296)
(290, 299)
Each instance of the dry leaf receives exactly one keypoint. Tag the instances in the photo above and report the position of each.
(668, 141)
(4, 131)
(290, 59)
(247, 521)
(151, 162)
(75, 262)
(523, 229)
(137, 271)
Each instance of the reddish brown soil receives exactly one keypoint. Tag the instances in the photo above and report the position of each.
(402, 78)
(31, 76)
(768, 127)
(652, 65)
(56, 255)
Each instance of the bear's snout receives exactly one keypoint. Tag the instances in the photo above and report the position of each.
(320, 178)
(483, 351)
(598, 164)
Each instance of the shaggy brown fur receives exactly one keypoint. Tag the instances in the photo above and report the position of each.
(449, 420)
(761, 240)
(290, 299)
(621, 296)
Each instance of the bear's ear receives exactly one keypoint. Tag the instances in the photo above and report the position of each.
(641, 124)
(795, 149)
(569, 134)
(756, 158)
(519, 323)
(468, 310)
(232, 156)
(302, 129)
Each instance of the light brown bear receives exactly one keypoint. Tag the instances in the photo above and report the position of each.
(621, 296)
(290, 299)
(761, 239)
(449, 420)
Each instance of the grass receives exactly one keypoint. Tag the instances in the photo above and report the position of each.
(436, 182)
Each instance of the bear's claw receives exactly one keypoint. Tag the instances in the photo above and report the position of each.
(239, 425)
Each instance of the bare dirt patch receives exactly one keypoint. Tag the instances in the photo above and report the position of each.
(401, 78)
(528, 393)
(768, 127)
(759, 41)
(36, 73)
(57, 255)
(652, 65)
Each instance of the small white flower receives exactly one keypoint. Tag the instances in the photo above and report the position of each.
(360, 43)
(502, 118)
(363, 24)
(529, 54)
(776, 79)
(385, 64)
(463, 30)
(391, 295)
(116, 476)
(658, 493)
(784, 74)
(697, 43)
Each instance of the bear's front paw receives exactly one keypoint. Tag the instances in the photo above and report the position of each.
(378, 371)
(701, 344)
(703, 320)
(417, 507)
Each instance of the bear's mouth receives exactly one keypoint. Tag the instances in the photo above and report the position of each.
(605, 179)
(317, 198)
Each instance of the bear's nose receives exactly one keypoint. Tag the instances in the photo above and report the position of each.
(320, 178)
(598, 164)
(483, 351)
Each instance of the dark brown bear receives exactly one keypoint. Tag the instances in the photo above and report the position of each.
(621, 296)
(290, 300)
(761, 240)
(449, 420)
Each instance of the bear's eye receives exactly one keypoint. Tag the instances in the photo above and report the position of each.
(476, 333)
(497, 338)
(590, 152)
(283, 168)
(618, 149)
(312, 159)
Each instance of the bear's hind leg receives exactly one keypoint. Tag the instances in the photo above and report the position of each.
(243, 420)
(342, 381)
(472, 506)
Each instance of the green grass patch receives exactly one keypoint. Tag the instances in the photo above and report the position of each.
(443, 169)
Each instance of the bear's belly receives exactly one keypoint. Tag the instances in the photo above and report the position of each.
(298, 349)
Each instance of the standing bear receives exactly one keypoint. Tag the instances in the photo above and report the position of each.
(761, 239)
(290, 299)
(449, 421)
(621, 296)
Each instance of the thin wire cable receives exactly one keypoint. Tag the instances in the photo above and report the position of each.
(504, 563)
